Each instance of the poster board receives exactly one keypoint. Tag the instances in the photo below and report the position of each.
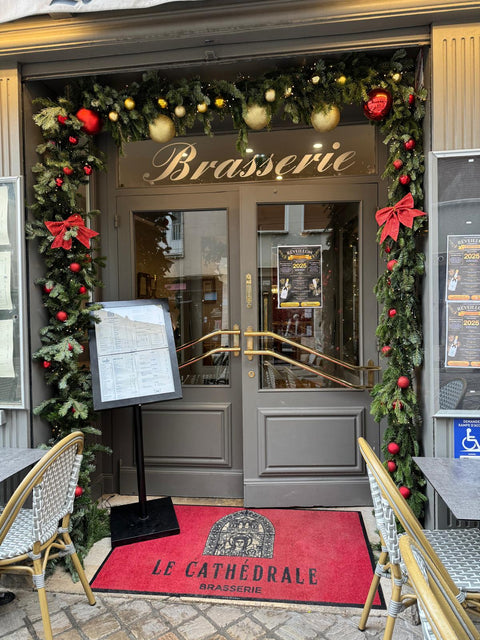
(132, 354)
(299, 271)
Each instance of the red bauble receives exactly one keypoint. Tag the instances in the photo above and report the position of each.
(59, 181)
(388, 249)
(73, 140)
(395, 403)
(70, 347)
(411, 99)
(92, 122)
(378, 104)
(47, 289)
(387, 350)
(393, 448)
(67, 171)
(405, 491)
(88, 257)
(391, 265)
(82, 290)
(391, 466)
(397, 164)
(46, 364)
(78, 491)
(61, 316)
(392, 313)
(409, 144)
(75, 267)
(404, 179)
(87, 169)
(61, 119)
(403, 382)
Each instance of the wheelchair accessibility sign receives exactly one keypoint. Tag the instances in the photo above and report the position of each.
(466, 438)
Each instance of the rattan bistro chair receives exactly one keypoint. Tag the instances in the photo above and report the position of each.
(441, 615)
(456, 552)
(30, 536)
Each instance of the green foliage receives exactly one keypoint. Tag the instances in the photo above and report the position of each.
(126, 112)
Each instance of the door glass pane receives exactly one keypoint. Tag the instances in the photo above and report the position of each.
(183, 256)
(309, 292)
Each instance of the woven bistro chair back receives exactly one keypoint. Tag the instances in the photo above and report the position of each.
(30, 536)
(452, 393)
(456, 552)
(441, 615)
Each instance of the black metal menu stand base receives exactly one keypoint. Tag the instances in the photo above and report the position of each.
(128, 526)
(142, 520)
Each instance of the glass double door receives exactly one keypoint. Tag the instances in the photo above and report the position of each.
(270, 289)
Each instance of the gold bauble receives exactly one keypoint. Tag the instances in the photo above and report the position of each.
(180, 111)
(396, 77)
(163, 104)
(323, 121)
(288, 92)
(341, 80)
(113, 116)
(219, 103)
(202, 107)
(270, 95)
(257, 117)
(129, 104)
(315, 79)
(161, 129)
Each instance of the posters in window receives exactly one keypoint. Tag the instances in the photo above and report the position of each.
(299, 271)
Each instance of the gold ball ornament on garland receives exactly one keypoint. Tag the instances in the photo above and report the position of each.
(162, 129)
(202, 107)
(257, 117)
(163, 104)
(219, 103)
(270, 95)
(113, 116)
(180, 111)
(341, 80)
(288, 92)
(129, 104)
(315, 79)
(323, 121)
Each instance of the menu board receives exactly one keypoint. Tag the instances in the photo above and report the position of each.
(133, 357)
(299, 271)
(462, 347)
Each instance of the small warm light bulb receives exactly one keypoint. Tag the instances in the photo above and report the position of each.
(317, 145)
(248, 150)
(279, 178)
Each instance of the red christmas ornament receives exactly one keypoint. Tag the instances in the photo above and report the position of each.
(87, 169)
(46, 289)
(404, 179)
(61, 316)
(395, 403)
(389, 282)
(88, 257)
(391, 265)
(392, 313)
(387, 350)
(82, 290)
(393, 448)
(67, 171)
(411, 99)
(403, 382)
(61, 119)
(92, 122)
(409, 144)
(78, 491)
(405, 491)
(391, 466)
(46, 364)
(388, 249)
(59, 181)
(73, 140)
(75, 267)
(397, 164)
(70, 347)
(378, 104)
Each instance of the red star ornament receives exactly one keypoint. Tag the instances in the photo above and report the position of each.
(73, 223)
(401, 213)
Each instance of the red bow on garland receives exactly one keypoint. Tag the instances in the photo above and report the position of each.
(59, 230)
(402, 212)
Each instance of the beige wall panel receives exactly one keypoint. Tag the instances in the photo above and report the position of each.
(456, 90)
(10, 145)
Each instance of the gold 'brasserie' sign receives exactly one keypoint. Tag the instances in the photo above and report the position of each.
(288, 154)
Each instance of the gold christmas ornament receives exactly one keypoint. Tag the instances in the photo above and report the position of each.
(270, 95)
(288, 92)
(202, 107)
(315, 79)
(396, 77)
(129, 104)
(341, 80)
(257, 117)
(161, 129)
(323, 121)
(219, 103)
(163, 104)
(180, 111)
(113, 116)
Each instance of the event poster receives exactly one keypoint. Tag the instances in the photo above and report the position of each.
(462, 347)
(299, 271)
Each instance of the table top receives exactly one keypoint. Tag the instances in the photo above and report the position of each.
(457, 482)
(13, 460)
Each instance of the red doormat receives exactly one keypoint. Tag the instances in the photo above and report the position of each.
(276, 555)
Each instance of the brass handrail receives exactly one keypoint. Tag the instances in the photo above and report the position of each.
(234, 350)
(221, 332)
(207, 336)
(250, 352)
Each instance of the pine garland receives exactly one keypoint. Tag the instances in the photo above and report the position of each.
(68, 156)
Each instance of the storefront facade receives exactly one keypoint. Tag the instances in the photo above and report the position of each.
(256, 421)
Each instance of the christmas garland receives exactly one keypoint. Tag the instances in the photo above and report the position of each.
(160, 108)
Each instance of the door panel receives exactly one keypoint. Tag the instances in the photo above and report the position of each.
(302, 368)
(185, 248)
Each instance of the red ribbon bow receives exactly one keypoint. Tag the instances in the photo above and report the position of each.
(402, 212)
(59, 229)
